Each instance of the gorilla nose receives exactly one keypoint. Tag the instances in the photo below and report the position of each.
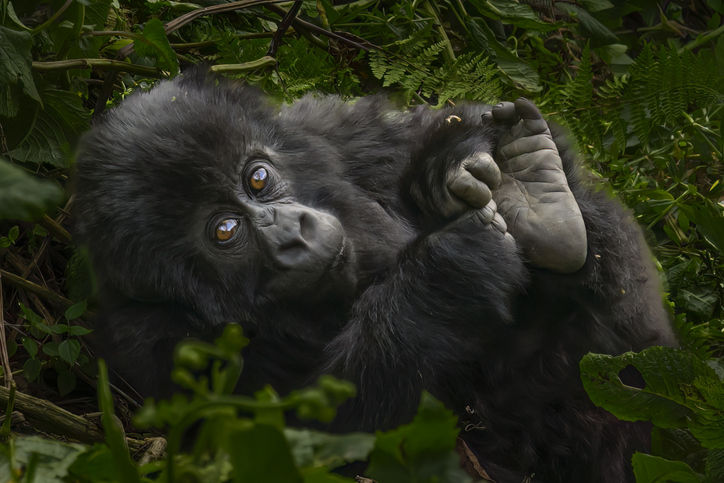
(290, 236)
(300, 238)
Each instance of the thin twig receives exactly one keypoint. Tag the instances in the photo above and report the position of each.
(287, 20)
(212, 42)
(3, 342)
(319, 30)
(55, 229)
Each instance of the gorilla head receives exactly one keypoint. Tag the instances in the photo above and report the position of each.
(204, 197)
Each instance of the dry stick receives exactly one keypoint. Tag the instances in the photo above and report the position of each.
(50, 418)
(8, 375)
(319, 30)
(43, 292)
(55, 229)
(282, 29)
(34, 262)
(202, 12)
(212, 42)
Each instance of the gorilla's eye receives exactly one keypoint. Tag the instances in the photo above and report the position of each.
(258, 179)
(226, 229)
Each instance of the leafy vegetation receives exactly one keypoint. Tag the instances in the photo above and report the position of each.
(639, 85)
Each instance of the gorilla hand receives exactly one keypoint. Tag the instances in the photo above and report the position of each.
(470, 187)
(534, 197)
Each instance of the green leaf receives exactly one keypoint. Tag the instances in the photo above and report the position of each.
(681, 391)
(31, 369)
(55, 457)
(515, 13)
(14, 233)
(652, 469)
(125, 469)
(659, 401)
(596, 5)
(16, 60)
(591, 28)
(31, 346)
(66, 382)
(422, 451)
(24, 197)
(715, 466)
(157, 46)
(322, 475)
(77, 330)
(96, 464)
(13, 17)
(76, 310)
(520, 73)
(260, 453)
(51, 349)
(709, 221)
(69, 350)
(701, 301)
(30, 315)
(61, 121)
(313, 448)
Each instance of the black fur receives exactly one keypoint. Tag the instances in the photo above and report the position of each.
(438, 304)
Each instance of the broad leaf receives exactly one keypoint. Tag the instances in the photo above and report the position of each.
(518, 71)
(157, 46)
(261, 453)
(16, 60)
(680, 391)
(55, 457)
(24, 197)
(422, 451)
(652, 469)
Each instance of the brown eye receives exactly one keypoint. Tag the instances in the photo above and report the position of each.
(226, 229)
(258, 179)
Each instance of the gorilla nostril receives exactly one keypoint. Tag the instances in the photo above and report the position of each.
(292, 253)
(307, 226)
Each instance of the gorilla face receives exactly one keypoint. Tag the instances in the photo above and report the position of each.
(302, 252)
(203, 208)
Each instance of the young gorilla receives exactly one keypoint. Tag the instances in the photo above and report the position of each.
(364, 242)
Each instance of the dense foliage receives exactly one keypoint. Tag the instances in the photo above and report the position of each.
(639, 85)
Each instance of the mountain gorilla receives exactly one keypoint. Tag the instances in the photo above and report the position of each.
(456, 251)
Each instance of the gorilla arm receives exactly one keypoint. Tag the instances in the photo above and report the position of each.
(427, 325)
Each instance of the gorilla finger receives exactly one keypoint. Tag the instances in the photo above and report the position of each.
(484, 168)
(471, 190)
(488, 212)
(528, 145)
(533, 122)
(504, 113)
(499, 223)
(527, 110)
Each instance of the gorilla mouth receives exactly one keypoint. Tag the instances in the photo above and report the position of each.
(340, 255)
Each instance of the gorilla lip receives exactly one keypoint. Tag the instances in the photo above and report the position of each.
(340, 255)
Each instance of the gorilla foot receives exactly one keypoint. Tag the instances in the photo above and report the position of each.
(534, 197)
